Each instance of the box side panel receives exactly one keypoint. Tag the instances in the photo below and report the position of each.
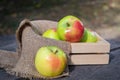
(89, 59)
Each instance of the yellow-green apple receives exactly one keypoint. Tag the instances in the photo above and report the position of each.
(50, 61)
(51, 33)
(70, 28)
(89, 36)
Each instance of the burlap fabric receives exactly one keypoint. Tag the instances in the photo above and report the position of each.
(29, 40)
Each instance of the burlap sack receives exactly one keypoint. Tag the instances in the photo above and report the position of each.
(29, 39)
(8, 59)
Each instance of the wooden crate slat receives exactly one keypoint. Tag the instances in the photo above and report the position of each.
(89, 59)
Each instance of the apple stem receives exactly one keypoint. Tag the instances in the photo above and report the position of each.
(53, 51)
(68, 24)
(56, 51)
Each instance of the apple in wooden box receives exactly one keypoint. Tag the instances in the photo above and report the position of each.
(86, 47)
(90, 53)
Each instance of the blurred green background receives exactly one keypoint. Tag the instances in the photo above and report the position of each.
(95, 14)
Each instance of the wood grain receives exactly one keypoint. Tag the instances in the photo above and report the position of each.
(89, 59)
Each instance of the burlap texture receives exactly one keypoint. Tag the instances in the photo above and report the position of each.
(29, 40)
(8, 59)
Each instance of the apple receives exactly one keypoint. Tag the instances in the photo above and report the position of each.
(88, 36)
(51, 33)
(50, 61)
(70, 28)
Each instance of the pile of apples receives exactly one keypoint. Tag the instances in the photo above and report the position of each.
(71, 29)
(51, 61)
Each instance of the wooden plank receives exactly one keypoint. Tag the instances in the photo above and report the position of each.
(101, 46)
(89, 59)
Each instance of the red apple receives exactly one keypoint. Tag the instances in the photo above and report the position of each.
(70, 28)
(50, 61)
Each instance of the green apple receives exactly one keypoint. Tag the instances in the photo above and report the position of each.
(50, 61)
(70, 28)
(51, 33)
(88, 36)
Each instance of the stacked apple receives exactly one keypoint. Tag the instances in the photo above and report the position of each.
(70, 28)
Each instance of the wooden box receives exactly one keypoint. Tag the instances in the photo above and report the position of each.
(89, 59)
(101, 46)
(90, 53)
